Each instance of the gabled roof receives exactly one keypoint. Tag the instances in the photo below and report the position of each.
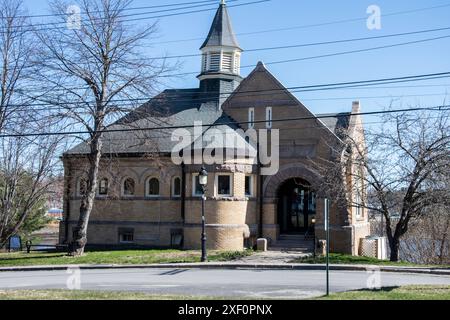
(221, 32)
(335, 124)
(180, 108)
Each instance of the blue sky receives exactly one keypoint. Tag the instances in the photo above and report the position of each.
(422, 58)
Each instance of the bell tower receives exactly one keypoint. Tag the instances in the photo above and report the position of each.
(221, 57)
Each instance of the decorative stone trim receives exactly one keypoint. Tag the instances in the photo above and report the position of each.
(272, 184)
(122, 223)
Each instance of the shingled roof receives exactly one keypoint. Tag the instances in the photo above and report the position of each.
(221, 32)
(337, 123)
(175, 108)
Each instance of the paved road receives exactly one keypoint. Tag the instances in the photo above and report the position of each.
(224, 283)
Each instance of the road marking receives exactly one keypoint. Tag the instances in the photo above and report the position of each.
(142, 285)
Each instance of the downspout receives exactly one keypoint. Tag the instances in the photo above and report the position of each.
(260, 179)
(261, 202)
(183, 190)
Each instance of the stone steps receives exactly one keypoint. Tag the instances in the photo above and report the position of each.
(293, 242)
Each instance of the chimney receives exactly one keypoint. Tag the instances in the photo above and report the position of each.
(356, 108)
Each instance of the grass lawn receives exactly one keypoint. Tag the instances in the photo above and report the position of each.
(90, 295)
(421, 292)
(337, 258)
(115, 257)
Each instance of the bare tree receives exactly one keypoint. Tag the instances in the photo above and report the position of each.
(15, 54)
(403, 164)
(90, 65)
(428, 238)
(28, 168)
(26, 164)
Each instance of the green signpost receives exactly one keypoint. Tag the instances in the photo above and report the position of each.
(327, 231)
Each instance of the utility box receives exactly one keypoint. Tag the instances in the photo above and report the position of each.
(261, 244)
(321, 247)
(374, 247)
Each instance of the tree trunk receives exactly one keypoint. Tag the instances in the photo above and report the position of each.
(80, 233)
(395, 246)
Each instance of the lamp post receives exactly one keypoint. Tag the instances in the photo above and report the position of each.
(203, 181)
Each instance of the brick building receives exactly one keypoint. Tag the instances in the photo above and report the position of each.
(144, 198)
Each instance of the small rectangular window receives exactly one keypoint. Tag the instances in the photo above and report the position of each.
(269, 117)
(126, 235)
(251, 117)
(224, 185)
(248, 186)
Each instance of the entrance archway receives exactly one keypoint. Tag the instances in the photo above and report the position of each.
(296, 207)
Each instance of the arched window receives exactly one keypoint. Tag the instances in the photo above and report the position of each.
(128, 187)
(251, 117)
(269, 117)
(153, 187)
(82, 186)
(176, 187)
(103, 187)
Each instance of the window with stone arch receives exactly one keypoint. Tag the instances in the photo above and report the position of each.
(152, 187)
(128, 187)
(176, 187)
(81, 187)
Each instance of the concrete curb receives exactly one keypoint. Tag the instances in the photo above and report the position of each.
(231, 265)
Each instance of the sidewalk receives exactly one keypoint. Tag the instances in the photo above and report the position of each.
(276, 260)
(238, 265)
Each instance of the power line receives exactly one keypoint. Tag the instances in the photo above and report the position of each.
(316, 126)
(296, 89)
(125, 9)
(307, 26)
(56, 27)
(437, 108)
(52, 107)
(314, 43)
(332, 54)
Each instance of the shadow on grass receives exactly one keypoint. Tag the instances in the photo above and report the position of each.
(382, 289)
(43, 256)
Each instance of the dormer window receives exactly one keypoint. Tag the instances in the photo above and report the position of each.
(251, 117)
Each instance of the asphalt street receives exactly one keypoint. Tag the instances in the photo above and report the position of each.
(249, 283)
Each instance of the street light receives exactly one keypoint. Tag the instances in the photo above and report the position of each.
(203, 181)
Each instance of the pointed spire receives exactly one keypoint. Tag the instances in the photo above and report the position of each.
(221, 32)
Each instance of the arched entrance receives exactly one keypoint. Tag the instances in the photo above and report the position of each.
(296, 207)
